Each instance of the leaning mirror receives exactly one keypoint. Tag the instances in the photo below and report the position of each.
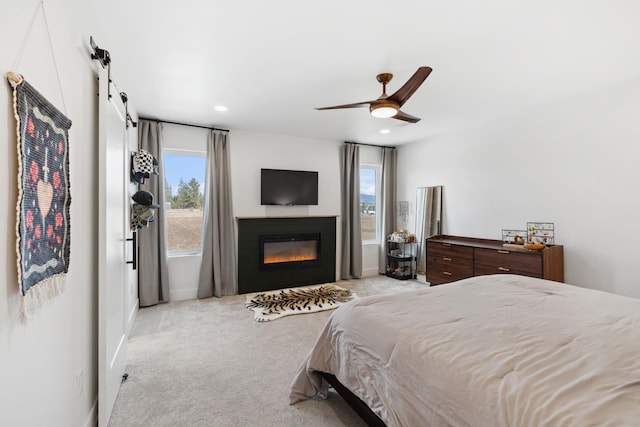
(428, 221)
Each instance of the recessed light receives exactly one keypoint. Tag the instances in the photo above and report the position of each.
(384, 131)
(220, 108)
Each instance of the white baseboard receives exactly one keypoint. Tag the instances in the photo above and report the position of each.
(132, 316)
(92, 419)
(183, 294)
(369, 272)
(366, 272)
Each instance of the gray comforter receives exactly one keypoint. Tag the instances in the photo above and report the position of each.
(487, 351)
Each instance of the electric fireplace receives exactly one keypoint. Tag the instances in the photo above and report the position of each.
(281, 252)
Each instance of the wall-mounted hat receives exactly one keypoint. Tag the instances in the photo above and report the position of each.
(145, 198)
(143, 164)
(141, 216)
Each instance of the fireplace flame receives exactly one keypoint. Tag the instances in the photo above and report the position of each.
(279, 252)
(275, 259)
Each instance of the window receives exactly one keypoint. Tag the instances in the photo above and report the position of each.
(369, 176)
(184, 192)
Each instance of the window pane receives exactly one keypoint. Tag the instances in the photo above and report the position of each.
(184, 191)
(368, 203)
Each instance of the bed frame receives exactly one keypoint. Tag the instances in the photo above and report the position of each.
(354, 401)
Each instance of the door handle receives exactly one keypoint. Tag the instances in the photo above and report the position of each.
(134, 250)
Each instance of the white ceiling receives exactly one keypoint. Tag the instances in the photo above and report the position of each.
(273, 62)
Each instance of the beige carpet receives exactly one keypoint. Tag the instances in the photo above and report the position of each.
(208, 363)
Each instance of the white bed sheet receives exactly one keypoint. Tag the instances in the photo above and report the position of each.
(500, 350)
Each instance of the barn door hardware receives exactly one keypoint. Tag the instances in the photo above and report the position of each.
(104, 58)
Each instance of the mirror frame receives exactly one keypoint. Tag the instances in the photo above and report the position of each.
(429, 204)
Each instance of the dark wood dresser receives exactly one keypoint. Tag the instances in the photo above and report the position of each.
(451, 258)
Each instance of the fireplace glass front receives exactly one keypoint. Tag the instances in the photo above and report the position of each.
(289, 251)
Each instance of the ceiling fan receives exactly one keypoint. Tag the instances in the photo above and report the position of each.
(389, 106)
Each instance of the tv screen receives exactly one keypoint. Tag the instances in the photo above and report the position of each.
(288, 187)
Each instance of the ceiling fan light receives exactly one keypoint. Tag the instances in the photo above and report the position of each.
(384, 110)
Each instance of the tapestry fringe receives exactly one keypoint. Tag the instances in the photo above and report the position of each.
(36, 296)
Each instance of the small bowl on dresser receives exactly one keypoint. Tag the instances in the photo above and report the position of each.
(534, 246)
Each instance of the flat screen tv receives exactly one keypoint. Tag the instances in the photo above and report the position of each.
(288, 187)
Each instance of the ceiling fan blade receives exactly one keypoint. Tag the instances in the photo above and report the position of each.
(406, 117)
(354, 105)
(404, 93)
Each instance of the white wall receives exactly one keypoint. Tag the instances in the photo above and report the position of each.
(40, 360)
(573, 163)
(252, 151)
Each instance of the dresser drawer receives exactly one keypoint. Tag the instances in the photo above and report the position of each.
(441, 270)
(447, 263)
(482, 270)
(445, 250)
(492, 261)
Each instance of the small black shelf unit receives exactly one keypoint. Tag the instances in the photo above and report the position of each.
(401, 260)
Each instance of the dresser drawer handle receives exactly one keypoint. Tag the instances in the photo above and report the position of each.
(446, 258)
(446, 273)
(503, 269)
(446, 244)
(503, 252)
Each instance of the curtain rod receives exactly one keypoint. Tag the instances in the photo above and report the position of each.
(183, 124)
(368, 145)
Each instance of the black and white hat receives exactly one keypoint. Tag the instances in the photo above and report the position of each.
(143, 164)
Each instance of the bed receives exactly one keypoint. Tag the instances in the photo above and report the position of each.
(500, 350)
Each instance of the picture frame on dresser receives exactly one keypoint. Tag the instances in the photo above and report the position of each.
(540, 232)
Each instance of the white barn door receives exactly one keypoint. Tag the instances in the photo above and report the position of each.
(113, 294)
(132, 300)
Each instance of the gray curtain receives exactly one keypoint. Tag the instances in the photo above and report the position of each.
(387, 202)
(351, 264)
(218, 268)
(153, 274)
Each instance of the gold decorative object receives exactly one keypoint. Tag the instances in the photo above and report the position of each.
(534, 246)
